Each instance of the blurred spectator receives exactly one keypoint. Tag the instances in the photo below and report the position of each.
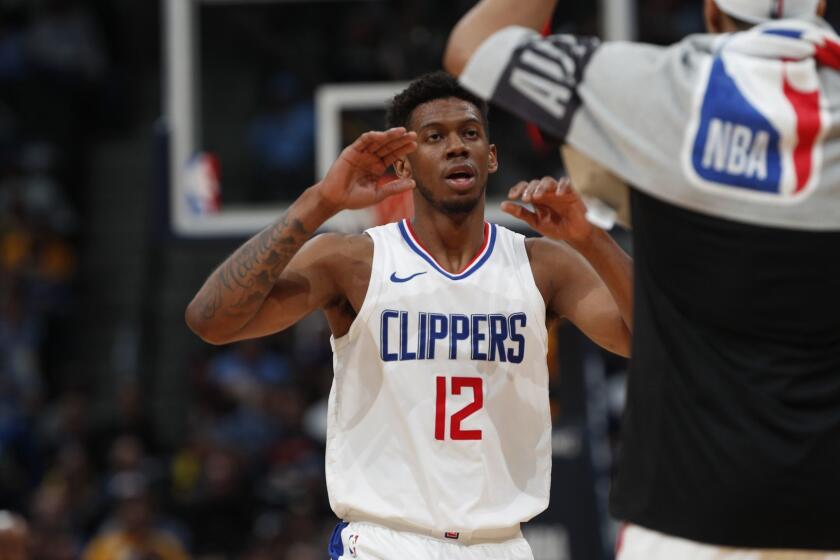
(221, 510)
(66, 419)
(303, 551)
(295, 461)
(282, 138)
(76, 486)
(14, 537)
(134, 531)
(125, 432)
(20, 335)
(53, 538)
(65, 40)
(246, 369)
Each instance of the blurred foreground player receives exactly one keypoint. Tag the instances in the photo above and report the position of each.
(438, 442)
(731, 144)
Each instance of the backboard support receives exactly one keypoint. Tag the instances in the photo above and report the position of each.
(182, 104)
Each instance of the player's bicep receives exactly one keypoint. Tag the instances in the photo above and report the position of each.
(534, 77)
(306, 284)
(584, 299)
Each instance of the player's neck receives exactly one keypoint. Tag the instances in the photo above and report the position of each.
(453, 240)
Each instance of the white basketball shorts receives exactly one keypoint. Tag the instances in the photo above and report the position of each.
(367, 541)
(638, 543)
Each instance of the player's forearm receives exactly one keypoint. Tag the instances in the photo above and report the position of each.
(487, 17)
(615, 267)
(236, 290)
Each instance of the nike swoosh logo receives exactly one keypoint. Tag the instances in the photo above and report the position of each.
(395, 278)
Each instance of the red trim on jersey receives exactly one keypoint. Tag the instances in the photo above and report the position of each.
(469, 264)
(828, 53)
(619, 540)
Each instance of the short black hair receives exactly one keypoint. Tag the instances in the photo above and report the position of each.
(429, 87)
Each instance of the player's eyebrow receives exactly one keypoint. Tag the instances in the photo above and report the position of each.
(462, 122)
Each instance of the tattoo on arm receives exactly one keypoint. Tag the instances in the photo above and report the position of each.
(239, 286)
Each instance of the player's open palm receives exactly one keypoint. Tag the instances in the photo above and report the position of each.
(559, 213)
(353, 181)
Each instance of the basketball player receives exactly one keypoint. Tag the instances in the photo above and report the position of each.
(438, 443)
(730, 142)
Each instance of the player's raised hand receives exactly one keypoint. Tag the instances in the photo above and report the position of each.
(559, 212)
(353, 180)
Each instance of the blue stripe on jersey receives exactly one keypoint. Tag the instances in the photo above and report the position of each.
(475, 266)
(336, 546)
(790, 33)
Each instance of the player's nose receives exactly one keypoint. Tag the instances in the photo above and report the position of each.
(456, 147)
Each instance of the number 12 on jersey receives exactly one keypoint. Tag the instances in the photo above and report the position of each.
(458, 384)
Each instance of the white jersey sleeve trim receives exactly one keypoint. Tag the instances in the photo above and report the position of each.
(489, 62)
(371, 295)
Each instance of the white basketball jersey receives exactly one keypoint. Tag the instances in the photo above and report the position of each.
(439, 414)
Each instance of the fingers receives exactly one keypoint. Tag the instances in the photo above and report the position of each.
(564, 184)
(542, 190)
(395, 144)
(520, 212)
(363, 141)
(378, 150)
(526, 191)
(561, 195)
(394, 187)
(396, 149)
(538, 188)
(559, 187)
(400, 152)
(545, 191)
(516, 191)
(374, 140)
(377, 138)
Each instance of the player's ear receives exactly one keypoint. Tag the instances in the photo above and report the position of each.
(494, 160)
(403, 168)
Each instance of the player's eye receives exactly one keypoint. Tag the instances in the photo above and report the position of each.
(471, 133)
(433, 136)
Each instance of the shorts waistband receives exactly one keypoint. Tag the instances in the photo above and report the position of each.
(478, 536)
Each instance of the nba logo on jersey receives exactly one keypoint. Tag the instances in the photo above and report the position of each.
(757, 126)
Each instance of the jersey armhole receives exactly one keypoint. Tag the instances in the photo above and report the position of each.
(371, 295)
(529, 283)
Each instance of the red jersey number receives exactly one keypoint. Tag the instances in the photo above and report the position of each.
(457, 386)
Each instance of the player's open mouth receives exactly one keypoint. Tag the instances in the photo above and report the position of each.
(460, 177)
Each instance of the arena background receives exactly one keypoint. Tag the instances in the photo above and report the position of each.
(112, 414)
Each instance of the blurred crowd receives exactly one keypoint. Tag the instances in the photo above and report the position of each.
(246, 483)
(51, 63)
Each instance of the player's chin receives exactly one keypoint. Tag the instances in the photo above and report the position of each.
(462, 203)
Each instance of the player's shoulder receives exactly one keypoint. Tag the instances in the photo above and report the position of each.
(542, 249)
(551, 262)
(331, 245)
